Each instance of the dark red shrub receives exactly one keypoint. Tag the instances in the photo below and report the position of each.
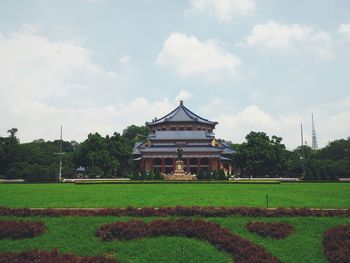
(336, 244)
(177, 211)
(240, 249)
(36, 256)
(276, 230)
(21, 229)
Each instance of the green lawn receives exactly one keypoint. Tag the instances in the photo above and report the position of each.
(77, 235)
(313, 195)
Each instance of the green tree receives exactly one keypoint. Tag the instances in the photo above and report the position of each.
(112, 155)
(201, 175)
(133, 134)
(222, 175)
(259, 156)
(9, 150)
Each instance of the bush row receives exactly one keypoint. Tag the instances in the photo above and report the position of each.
(257, 182)
(240, 249)
(155, 182)
(204, 211)
(54, 256)
(276, 230)
(242, 181)
(336, 244)
(21, 229)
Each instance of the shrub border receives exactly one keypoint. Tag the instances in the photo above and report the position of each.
(336, 246)
(13, 229)
(184, 211)
(276, 230)
(242, 250)
(77, 182)
(41, 256)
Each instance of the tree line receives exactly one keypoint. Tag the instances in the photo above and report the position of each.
(262, 156)
(111, 156)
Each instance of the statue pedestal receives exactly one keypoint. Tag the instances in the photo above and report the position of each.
(179, 173)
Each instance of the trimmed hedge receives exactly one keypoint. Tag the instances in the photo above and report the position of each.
(256, 182)
(336, 244)
(203, 211)
(242, 250)
(276, 230)
(21, 229)
(82, 182)
(37, 256)
(154, 182)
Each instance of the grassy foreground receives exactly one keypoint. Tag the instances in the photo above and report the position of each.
(312, 195)
(77, 235)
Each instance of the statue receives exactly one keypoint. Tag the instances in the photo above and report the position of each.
(179, 153)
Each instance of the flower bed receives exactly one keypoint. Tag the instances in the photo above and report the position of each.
(36, 256)
(276, 230)
(177, 211)
(336, 244)
(242, 250)
(21, 229)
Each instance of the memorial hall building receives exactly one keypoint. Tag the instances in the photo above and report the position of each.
(194, 135)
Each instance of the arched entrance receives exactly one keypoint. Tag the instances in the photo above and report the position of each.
(157, 165)
(193, 165)
(168, 165)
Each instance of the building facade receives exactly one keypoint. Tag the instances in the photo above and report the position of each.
(182, 128)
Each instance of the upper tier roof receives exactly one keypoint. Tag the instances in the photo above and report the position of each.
(180, 114)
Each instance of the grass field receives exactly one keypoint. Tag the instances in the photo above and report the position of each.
(77, 234)
(312, 195)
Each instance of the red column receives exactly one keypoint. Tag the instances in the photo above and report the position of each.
(218, 164)
(199, 163)
(142, 164)
(188, 165)
(163, 168)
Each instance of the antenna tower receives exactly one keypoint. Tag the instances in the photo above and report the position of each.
(60, 155)
(314, 137)
(302, 148)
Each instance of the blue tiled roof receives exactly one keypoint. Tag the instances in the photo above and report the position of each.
(136, 148)
(181, 114)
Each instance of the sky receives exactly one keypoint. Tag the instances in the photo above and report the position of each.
(101, 65)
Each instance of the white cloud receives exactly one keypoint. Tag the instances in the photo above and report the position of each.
(125, 59)
(330, 125)
(222, 10)
(33, 67)
(191, 57)
(46, 83)
(344, 30)
(183, 95)
(291, 38)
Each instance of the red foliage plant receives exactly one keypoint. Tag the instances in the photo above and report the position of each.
(276, 230)
(21, 229)
(242, 250)
(36, 256)
(336, 244)
(203, 211)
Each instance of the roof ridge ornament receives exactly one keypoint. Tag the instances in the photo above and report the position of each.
(181, 102)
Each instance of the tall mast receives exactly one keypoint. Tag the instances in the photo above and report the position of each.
(314, 137)
(302, 148)
(301, 134)
(60, 169)
(60, 155)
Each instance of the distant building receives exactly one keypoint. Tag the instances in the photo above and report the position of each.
(185, 129)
